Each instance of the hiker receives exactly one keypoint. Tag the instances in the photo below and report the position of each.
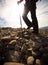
(30, 5)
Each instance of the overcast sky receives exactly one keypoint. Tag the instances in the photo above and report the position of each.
(10, 13)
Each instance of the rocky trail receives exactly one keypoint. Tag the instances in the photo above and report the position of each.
(22, 47)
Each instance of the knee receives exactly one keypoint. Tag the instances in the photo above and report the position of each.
(24, 16)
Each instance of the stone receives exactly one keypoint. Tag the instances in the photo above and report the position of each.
(30, 60)
(15, 56)
(30, 49)
(16, 38)
(37, 37)
(33, 53)
(13, 63)
(26, 40)
(41, 49)
(33, 44)
(23, 40)
(12, 42)
(6, 38)
(38, 61)
(44, 59)
(25, 33)
(26, 36)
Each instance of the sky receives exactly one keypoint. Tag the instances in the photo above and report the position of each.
(11, 13)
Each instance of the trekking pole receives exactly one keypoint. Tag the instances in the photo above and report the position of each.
(20, 21)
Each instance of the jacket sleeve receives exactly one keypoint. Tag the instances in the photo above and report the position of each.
(21, 0)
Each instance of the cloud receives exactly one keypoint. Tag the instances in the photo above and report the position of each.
(3, 22)
(2, 2)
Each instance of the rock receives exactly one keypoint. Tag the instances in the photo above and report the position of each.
(30, 49)
(16, 38)
(33, 44)
(41, 49)
(12, 35)
(23, 40)
(6, 38)
(44, 59)
(26, 40)
(30, 60)
(17, 47)
(37, 61)
(13, 63)
(25, 47)
(36, 48)
(12, 42)
(46, 48)
(26, 36)
(25, 33)
(37, 37)
(15, 56)
(30, 42)
(33, 53)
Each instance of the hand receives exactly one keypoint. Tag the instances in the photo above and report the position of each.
(18, 2)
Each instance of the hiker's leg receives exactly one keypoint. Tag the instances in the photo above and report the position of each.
(25, 18)
(34, 20)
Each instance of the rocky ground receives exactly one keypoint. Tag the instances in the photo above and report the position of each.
(21, 46)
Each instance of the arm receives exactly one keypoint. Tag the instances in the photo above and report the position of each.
(19, 1)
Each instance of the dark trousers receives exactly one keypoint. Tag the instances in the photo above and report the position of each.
(32, 10)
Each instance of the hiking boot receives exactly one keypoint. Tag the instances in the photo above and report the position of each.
(35, 32)
(30, 26)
